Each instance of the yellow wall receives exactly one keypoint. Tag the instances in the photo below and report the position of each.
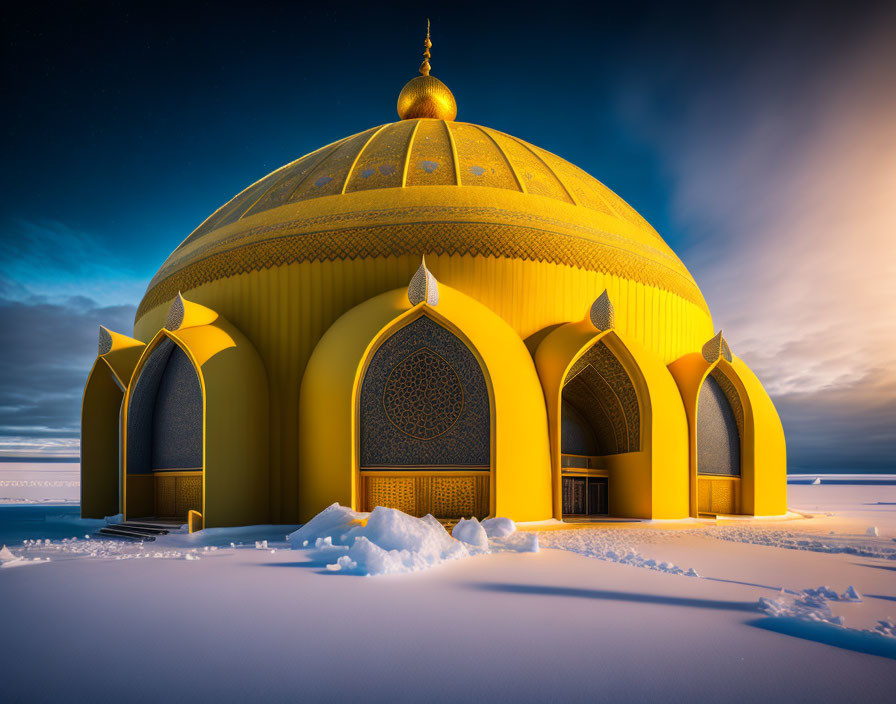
(650, 483)
(285, 310)
(328, 431)
(100, 429)
(99, 442)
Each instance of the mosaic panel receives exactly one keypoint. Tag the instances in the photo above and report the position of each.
(381, 164)
(423, 397)
(718, 440)
(596, 402)
(579, 184)
(425, 367)
(165, 413)
(732, 396)
(481, 162)
(431, 162)
(576, 435)
(609, 384)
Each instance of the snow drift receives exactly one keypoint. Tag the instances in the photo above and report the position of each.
(388, 541)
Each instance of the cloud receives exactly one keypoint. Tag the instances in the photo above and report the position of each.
(785, 178)
(51, 260)
(48, 349)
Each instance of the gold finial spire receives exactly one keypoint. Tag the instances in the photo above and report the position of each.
(424, 95)
(425, 67)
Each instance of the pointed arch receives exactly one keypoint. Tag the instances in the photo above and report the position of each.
(600, 382)
(195, 421)
(330, 419)
(726, 405)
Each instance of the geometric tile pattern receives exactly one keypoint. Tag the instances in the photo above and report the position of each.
(718, 436)
(600, 390)
(424, 402)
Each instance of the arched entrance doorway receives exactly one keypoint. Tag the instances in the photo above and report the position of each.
(720, 421)
(425, 425)
(164, 439)
(600, 417)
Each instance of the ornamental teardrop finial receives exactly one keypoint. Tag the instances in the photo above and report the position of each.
(425, 67)
(423, 286)
(602, 313)
(715, 348)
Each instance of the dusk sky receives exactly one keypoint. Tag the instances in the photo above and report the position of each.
(760, 141)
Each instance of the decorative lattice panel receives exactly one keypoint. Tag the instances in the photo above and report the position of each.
(442, 496)
(188, 495)
(392, 492)
(424, 402)
(166, 492)
(718, 430)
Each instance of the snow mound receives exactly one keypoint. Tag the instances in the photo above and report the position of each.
(816, 481)
(471, 532)
(388, 541)
(498, 527)
(6, 555)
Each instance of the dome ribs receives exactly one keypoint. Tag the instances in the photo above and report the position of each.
(380, 163)
(535, 175)
(519, 181)
(407, 154)
(482, 163)
(351, 169)
(282, 191)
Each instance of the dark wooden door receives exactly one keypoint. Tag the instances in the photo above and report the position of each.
(574, 496)
(597, 496)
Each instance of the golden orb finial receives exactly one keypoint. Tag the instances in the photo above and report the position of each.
(425, 95)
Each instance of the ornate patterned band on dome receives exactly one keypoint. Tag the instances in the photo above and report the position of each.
(428, 236)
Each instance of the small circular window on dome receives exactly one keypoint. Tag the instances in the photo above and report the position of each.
(423, 396)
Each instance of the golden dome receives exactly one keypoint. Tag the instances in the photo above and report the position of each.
(426, 96)
(420, 186)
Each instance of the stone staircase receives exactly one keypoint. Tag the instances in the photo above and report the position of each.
(139, 531)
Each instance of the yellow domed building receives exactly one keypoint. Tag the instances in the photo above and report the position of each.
(434, 316)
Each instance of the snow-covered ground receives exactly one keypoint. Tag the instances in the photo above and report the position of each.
(39, 482)
(668, 611)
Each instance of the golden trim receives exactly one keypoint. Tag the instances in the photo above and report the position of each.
(351, 169)
(407, 154)
(453, 153)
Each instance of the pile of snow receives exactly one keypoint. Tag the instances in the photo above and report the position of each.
(8, 559)
(388, 541)
(809, 604)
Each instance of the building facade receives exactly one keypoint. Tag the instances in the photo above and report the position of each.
(434, 316)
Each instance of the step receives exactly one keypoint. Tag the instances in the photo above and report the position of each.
(144, 527)
(116, 532)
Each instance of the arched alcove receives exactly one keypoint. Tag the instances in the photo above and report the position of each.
(164, 436)
(720, 431)
(425, 424)
(600, 417)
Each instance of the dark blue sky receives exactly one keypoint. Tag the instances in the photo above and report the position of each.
(126, 125)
